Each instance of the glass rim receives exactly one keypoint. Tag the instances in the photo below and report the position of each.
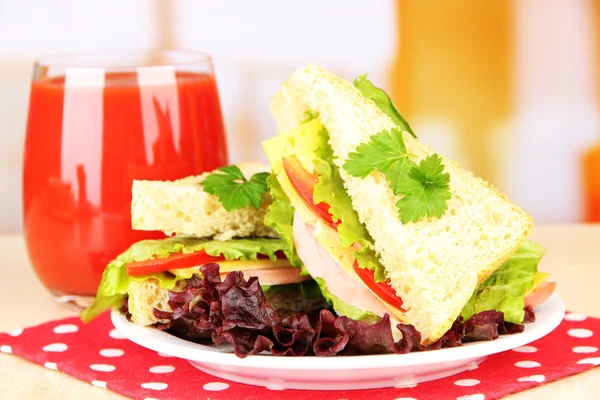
(74, 59)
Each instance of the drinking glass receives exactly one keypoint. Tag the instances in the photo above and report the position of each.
(96, 122)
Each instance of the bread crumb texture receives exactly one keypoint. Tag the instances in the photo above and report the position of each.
(145, 296)
(183, 207)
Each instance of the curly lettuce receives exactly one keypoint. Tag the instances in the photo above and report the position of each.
(330, 189)
(114, 285)
(506, 288)
(280, 216)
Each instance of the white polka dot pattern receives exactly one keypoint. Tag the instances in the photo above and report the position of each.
(585, 349)
(592, 360)
(467, 382)
(103, 367)
(51, 365)
(55, 347)
(575, 317)
(67, 328)
(527, 364)
(111, 353)
(215, 386)
(115, 334)
(16, 332)
(105, 361)
(532, 378)
(155, 385)
(162, 369)
(580, 333)
(100, 384)
(526, 349)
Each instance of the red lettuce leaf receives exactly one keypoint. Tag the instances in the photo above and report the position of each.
(236, 311)
(330, 339)
(293, 337)
(529, 314)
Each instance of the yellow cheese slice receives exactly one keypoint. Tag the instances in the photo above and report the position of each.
(300, 143)
(538, 279)
(236, 265)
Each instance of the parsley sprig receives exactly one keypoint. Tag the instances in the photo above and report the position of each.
(232, 188)
(425, 187)
(426, 191)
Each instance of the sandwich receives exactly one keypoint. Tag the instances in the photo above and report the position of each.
(216, 217)
(389, 228)
(360, 240)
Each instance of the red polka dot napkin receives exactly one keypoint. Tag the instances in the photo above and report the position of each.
(98, 354)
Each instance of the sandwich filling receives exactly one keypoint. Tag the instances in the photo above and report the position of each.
(306, 180)
(313, 210)
(151, 268)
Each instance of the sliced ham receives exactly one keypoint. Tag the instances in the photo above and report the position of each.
(320, 264)
(275, 276)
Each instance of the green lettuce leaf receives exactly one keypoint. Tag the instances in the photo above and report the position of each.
(115, 281)
(383, 101)
(310, 289)
(330, 189)
(111, 292)
(345, 309)
(506, 288)
(280, 216)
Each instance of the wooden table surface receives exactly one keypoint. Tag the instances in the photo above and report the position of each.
(573, 259)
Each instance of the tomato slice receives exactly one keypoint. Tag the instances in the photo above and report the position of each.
(540, 294)
(179, 260)
(304, 183)
(382, 289)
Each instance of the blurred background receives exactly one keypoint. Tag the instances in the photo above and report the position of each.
(510, 89)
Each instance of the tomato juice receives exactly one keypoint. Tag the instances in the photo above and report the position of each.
(86, 142)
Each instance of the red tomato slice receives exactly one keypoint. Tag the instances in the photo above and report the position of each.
(178, 260)
(304, 183)
(540, 294)
(382, 289)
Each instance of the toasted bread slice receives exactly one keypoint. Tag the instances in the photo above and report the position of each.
(435, 264)
(183, 207)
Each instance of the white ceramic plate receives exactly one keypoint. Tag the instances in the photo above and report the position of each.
(343, 372)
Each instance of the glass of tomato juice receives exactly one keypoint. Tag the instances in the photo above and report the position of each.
(96, 122)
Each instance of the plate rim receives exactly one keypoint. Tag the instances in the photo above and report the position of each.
(551, 312)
